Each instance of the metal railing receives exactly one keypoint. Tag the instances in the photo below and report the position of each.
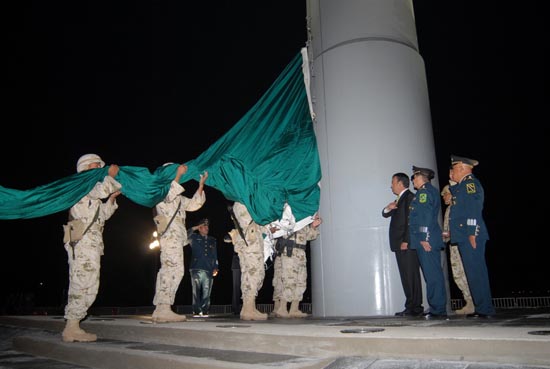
(499, 303)
(511, 302)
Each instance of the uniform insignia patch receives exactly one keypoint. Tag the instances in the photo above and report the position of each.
(423, 198)
(470, 188)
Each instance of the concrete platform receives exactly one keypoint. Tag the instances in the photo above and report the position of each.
(513, 339)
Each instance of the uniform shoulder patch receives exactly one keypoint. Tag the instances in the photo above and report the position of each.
(471, 188)
(423, 197)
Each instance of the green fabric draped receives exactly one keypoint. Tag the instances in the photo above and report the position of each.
(268, 158)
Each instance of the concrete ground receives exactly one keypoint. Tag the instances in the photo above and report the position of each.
(514, 339)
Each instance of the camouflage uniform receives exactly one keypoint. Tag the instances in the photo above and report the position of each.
(459, 276)
(84, 264)
(251, 253)
(173, 240)
(290, 272)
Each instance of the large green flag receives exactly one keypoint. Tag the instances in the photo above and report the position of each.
(268, 158)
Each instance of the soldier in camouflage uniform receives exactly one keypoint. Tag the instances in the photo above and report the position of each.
(251, 256)
(290, 270)
(459, 276)
(172, 241)
(84, 256)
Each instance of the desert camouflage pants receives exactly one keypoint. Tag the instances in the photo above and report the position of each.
(459, 276)
(83, 276)
(171, 269)
(252, 268)
(290, 276)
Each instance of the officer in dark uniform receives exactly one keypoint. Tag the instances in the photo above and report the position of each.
(203, 266)
(469, 232)
(426, 239)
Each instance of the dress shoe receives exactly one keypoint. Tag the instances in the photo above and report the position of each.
(432, 316)
(408, 313)
(479, 315)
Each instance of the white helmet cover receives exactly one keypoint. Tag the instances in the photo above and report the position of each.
(85, 160)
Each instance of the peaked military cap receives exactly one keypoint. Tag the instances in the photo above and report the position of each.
(204, 221)
(428, 173)
(462, 160)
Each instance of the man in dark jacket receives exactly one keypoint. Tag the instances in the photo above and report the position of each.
(407, 259)
(203, 267)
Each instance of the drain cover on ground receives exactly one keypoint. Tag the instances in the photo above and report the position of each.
(540, 333)
(233, 326)
(362, 330)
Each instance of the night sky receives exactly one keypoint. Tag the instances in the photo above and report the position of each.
(143, 83)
